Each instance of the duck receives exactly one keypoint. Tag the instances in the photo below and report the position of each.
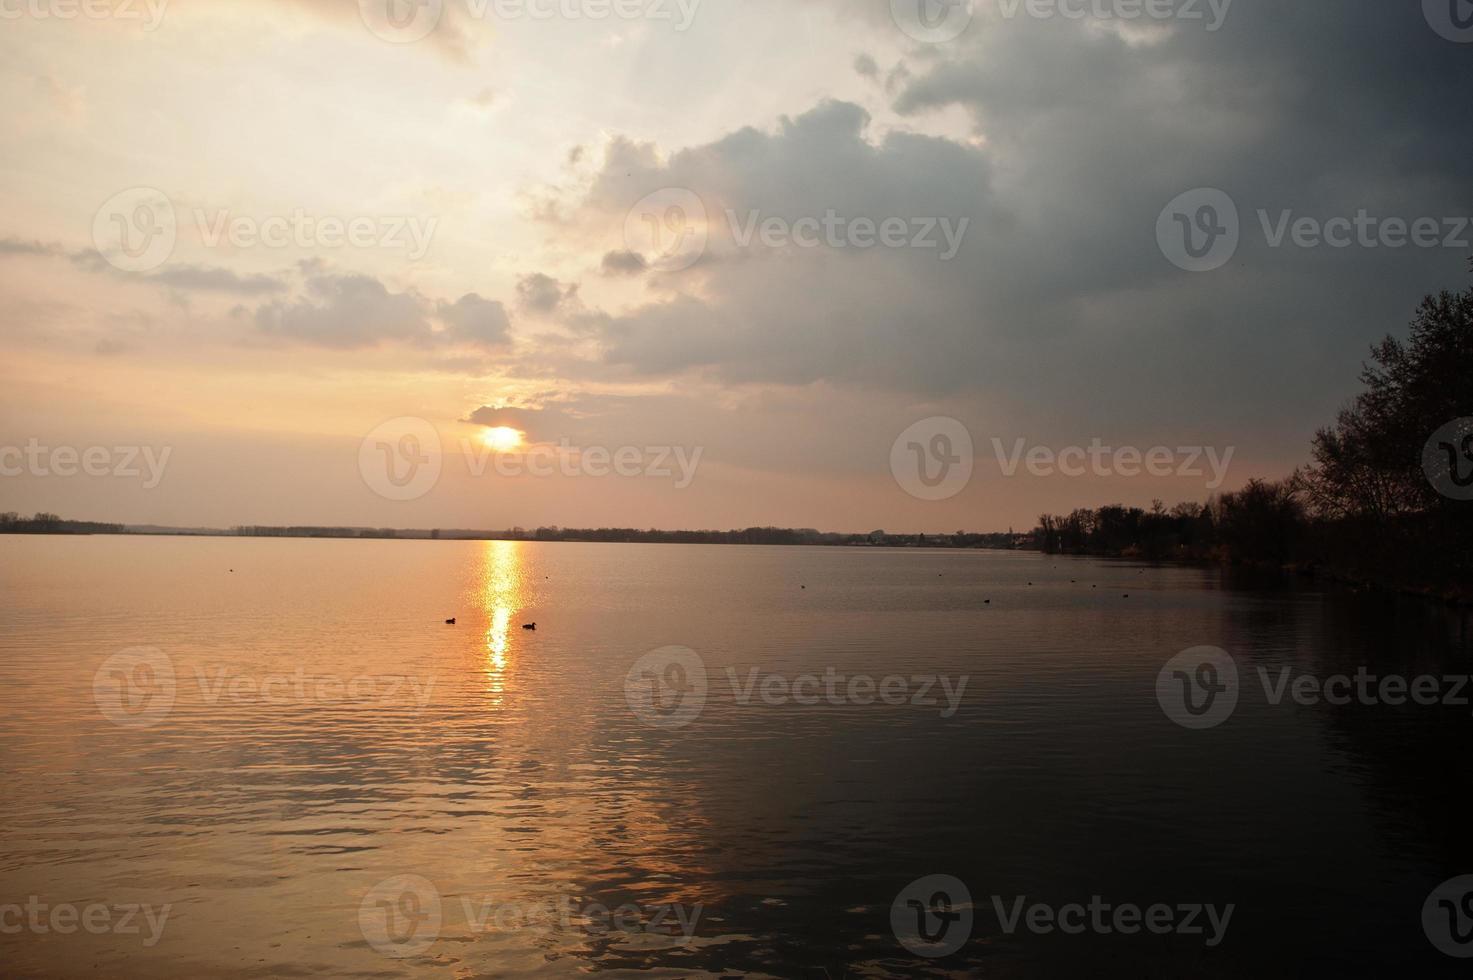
(449, 622)
(529, 626)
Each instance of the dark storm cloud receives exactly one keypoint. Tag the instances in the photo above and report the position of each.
(803, 315)
(1061, 302)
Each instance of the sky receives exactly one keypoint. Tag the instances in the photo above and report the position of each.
(845, 264)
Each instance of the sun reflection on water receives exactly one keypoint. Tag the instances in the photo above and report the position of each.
(496, 638)
(501, 597)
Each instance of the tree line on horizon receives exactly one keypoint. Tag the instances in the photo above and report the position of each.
(1367, 506)
(631, 535)
(44, 523)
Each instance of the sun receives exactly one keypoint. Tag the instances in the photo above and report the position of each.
(502, 438)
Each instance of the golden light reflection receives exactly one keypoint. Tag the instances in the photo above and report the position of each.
(496, 639)
(502, 597)
(670, 845)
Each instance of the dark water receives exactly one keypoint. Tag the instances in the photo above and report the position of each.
(297, 769)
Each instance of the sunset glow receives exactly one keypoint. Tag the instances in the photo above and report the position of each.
(725, 488)
(647, 252)
(501, 438)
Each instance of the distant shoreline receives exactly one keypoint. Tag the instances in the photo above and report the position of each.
(939, 542)
(46, 524)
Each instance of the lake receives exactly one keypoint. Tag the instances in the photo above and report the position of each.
(270, 757)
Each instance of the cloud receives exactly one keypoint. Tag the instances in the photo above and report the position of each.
(350, 311)
(516, 418)
(16, 246)
(337, 310)
(623, 262)
(476, 321)
(215, 279)
(1059, 303)
(798, 315)
(539, 423)
(347, 311)
(539, 293)
(201, 278)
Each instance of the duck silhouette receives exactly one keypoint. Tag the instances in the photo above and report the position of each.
(449, 622)
(529, 626)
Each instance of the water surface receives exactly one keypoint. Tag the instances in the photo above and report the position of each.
(329, 733)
